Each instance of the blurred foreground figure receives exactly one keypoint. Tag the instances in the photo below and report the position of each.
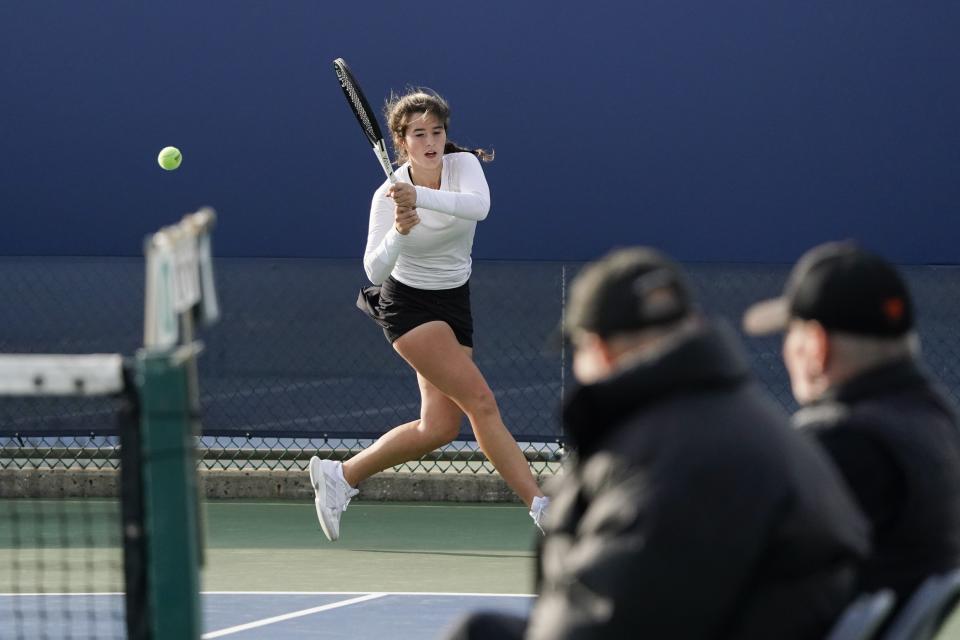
(690, 508)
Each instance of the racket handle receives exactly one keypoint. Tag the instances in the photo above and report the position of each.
(381, 150)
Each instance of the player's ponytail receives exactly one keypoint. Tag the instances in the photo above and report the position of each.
(483, 154)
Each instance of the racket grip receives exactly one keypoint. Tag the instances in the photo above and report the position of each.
(380, 149)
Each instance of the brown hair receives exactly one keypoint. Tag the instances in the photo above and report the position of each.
(399, 109)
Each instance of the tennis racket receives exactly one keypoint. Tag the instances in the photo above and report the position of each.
(365, 116)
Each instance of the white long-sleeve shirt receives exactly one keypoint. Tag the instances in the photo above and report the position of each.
(436, 252)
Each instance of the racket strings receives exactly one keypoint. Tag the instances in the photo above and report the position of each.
(361, 112)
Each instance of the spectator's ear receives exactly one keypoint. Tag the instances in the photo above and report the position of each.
(593, 359)
(818, 349)
(607, 353)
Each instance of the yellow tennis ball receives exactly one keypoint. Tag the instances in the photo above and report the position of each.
(169, 158)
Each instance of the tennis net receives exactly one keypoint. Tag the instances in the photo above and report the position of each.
(63, 554)
(108, 554)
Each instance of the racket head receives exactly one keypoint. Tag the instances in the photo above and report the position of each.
(358, 102)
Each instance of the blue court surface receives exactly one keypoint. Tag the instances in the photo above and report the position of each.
(346, 615)
(263, 615)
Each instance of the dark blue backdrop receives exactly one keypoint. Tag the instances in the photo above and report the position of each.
(741, 131)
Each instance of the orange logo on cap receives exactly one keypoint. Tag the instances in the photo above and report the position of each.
(893, 308)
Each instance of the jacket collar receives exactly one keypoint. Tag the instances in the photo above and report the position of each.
(836, 403)
(876, 381)
(710, 357)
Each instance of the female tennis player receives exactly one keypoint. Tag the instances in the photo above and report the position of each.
(418, 257)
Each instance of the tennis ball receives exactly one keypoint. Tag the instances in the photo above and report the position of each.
(169, 158)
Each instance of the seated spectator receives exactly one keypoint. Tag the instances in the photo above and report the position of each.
(690, 508)
(851, 354)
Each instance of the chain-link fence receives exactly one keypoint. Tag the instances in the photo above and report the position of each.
(294, 368)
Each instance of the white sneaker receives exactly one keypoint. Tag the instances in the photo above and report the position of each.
(538, 510)
(333, 494)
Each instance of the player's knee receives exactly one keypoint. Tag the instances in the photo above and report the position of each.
(482, 404)
(440, 431)
(448, 432)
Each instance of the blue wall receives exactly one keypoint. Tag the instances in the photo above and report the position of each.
(737, 131)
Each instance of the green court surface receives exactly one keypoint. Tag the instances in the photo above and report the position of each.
(258, 546)
(60, 546)
(278, 546)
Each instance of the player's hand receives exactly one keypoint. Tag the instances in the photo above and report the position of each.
(404, 219)
(403, 194)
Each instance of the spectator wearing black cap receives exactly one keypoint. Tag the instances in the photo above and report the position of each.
(690, 508)
(851, 353)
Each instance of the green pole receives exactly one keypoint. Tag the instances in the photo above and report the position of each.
(169, 413)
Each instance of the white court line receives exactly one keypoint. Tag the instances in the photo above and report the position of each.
(74, 593)
(378, 505)
(379, 593)
(298, 593)
(288, 616)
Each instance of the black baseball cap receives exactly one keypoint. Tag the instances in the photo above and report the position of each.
(844, 288)
(627, 290)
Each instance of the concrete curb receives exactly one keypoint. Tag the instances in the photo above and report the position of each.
(275, 484)
(59, 483)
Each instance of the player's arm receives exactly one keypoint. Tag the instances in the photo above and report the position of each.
(472, 202)
(384, 241)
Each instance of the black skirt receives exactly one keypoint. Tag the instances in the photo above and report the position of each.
(399, 308)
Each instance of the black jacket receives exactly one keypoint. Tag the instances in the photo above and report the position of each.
(692, 509)
(895, 440)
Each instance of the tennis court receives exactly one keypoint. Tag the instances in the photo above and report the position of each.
(104, 530)
(400, 571)
(174, 502)
(281, 615)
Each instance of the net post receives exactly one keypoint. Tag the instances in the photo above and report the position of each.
(179, 287)
(169, 417)
(132, 516)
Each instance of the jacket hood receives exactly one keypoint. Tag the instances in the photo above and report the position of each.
(708, 358)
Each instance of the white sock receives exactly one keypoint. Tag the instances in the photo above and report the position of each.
(340, 475)
(540, 502)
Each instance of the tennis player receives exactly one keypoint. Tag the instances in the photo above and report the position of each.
(418, 258)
